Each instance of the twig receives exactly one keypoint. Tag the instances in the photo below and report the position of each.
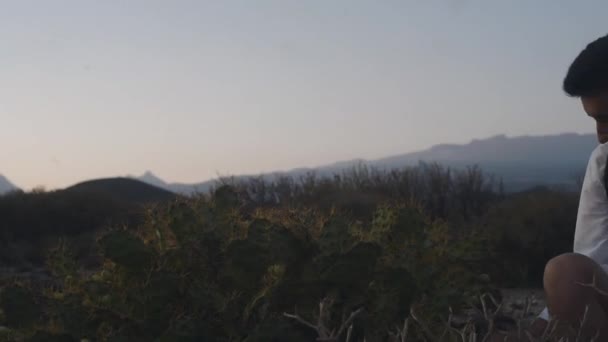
(301, 320)
(349, 333)
(448, 325)
(594, 286)
(324, 334)
(425, 329)
(405, 329)
(583, 321)
(349, 321)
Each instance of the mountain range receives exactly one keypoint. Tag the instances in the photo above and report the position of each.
(522, 162)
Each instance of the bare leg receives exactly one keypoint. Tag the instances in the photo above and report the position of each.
(568, 299)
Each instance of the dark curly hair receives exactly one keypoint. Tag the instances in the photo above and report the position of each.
(588, 74)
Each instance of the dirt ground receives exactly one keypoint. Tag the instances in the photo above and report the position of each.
(516, 300)
(519, 306)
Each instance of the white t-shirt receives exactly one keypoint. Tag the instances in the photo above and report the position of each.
(591, 232)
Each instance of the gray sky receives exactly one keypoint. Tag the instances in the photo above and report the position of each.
(189, 89)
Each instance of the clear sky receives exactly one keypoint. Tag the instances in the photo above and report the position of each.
(190, 89)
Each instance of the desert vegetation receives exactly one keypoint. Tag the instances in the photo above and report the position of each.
(365, 255)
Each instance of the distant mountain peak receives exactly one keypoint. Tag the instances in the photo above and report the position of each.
(6, 185)
(150, 174)
(152, 179)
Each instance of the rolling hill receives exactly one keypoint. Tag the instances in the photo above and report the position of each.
(522, 162)
(123, 189)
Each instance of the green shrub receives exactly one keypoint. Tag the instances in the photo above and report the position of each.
(210, 269)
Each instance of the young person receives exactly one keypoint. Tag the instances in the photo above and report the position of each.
(567, 277)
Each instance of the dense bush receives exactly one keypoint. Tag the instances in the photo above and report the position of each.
(527, 230)
(209, 270)
(31, 222)
(457, 195)
(228, 266)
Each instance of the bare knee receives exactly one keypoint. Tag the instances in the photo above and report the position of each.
(563, 277)
(565, 268)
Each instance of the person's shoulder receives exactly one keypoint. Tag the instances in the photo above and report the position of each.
(599, 154)
(597, 161)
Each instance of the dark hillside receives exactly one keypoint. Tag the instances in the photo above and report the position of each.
(123, 189)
